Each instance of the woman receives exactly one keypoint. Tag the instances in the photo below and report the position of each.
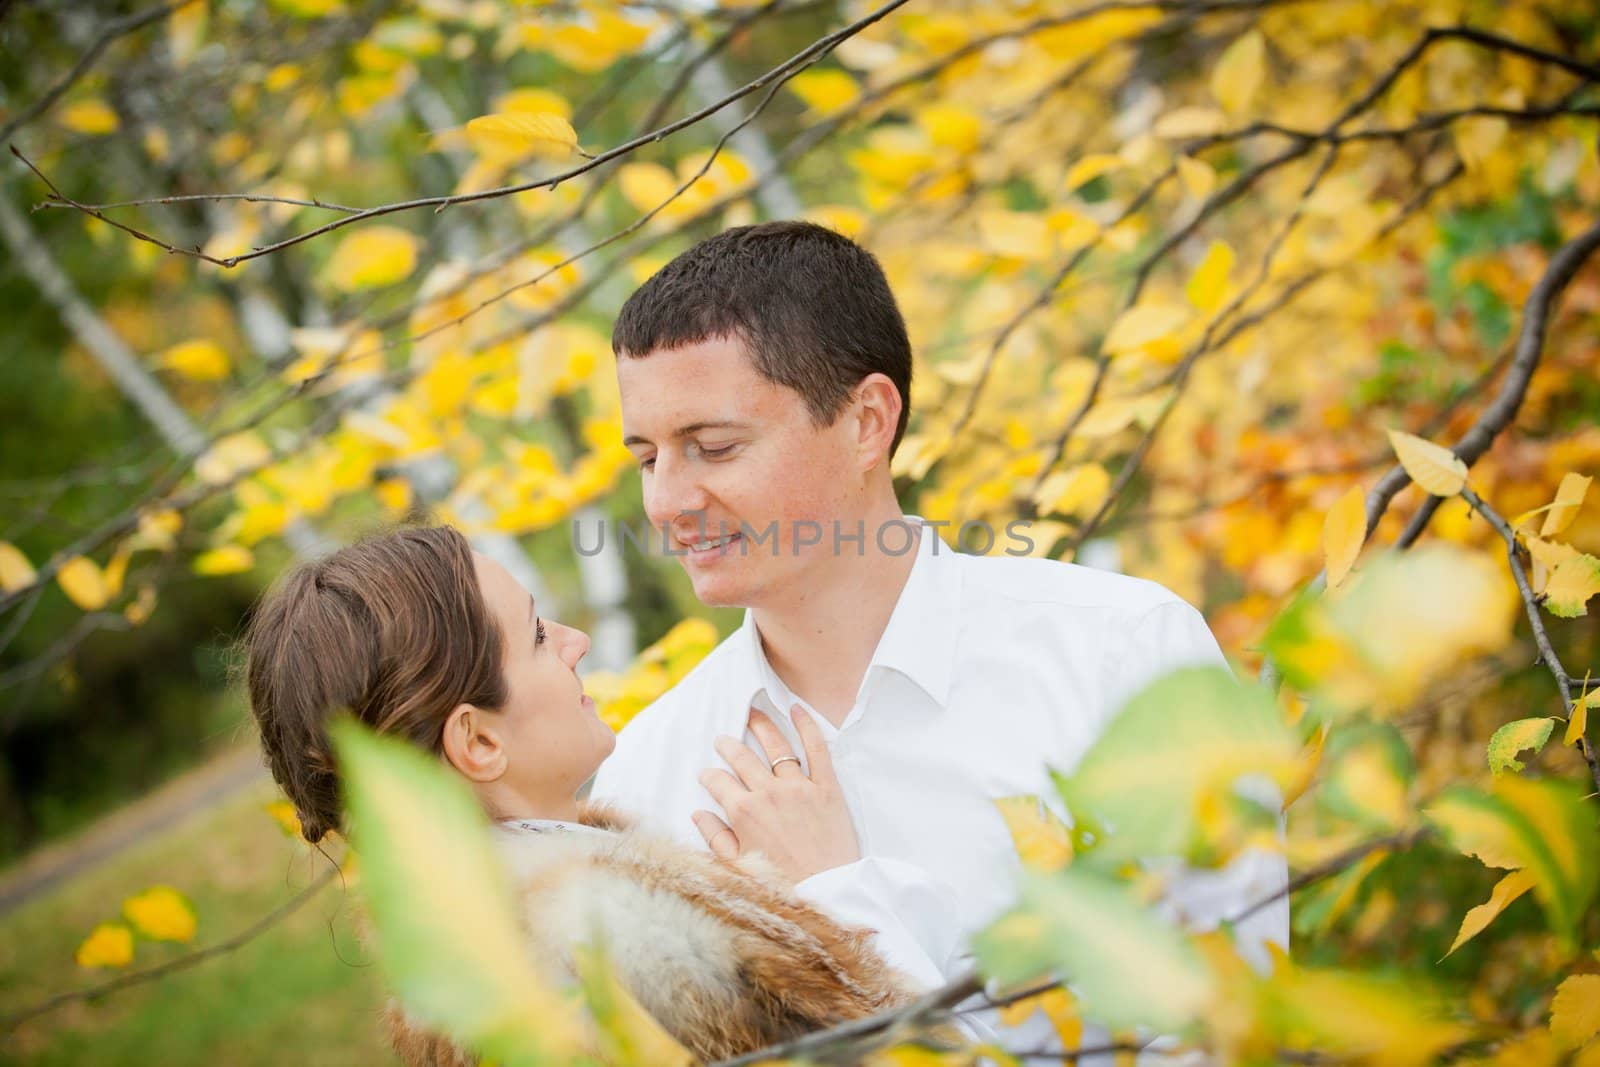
(422, 638)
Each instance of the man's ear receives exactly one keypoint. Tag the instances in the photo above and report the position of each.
(472, 746)
(878, 406)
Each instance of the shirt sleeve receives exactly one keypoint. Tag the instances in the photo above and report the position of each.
(1169, 636)
(909, 912)
(907, 908)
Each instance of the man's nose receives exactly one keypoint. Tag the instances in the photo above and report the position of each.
(673, 491)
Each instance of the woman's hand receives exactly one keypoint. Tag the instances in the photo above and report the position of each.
(798, 821)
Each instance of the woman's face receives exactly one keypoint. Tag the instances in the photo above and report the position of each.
(554, 739)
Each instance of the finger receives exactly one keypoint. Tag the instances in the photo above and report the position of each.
(818, 758)
(724, 788)
(773, 744)
(751, 768)
(719, 836)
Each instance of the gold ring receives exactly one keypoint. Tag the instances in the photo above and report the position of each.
(784, 759)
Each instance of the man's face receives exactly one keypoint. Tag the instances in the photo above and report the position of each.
(724, 455)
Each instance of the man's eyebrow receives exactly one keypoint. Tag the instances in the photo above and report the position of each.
(685, 431)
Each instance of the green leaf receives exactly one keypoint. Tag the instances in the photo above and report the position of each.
(1127, 966)
(1393, 627)
(1514, 737)
(628, 1035)
(1186, 736)
(1542, 826)
(442, 906)
(1368, 776)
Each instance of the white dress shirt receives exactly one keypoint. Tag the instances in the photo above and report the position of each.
(990, 670)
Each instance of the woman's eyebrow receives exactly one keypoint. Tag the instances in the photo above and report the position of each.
(530, 607)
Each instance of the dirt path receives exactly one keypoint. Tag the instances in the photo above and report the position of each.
(189, 793)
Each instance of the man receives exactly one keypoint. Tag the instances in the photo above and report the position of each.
(883, 689)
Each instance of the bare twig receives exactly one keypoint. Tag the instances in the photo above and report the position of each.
(800, 60)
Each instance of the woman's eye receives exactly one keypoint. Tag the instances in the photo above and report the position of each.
(538, 632)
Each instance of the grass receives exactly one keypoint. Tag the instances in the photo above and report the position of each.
(304, 992)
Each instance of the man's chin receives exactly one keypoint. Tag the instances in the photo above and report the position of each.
(719, 591)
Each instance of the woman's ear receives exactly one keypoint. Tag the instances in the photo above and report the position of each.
(472, 746)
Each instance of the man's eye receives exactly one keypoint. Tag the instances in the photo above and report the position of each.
(647, 464)
(713, 453)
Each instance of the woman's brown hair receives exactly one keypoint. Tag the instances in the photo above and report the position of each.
(394, 630)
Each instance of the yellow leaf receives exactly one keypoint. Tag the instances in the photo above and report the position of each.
(1239, 72)
(1575, 1011)
(1197, 177)
(511, 135)
(161, 913)
(1571, 584)
(1477, 919)
(111, 945)
(1042, 841)
(1569, 497)
(15, 570)
(825, 91)
(1089, 168)
(185, 31)
(117, 567)
(1477, 139)
(1188, 122)
(1433, 467)
(229, 559)
(1071, 491)
(952, 126)
(395, 495)
(1343, 533)
(139, 609)
(534, 100)
(1018, 234)
(1361, 1017)
(844, 220)
(1547, 556)
(83, 583)
(371, 258)
(646, 186)
(1209, 282)
(1579, 722)
(1144, 324)
(92, 117)
(200, 360)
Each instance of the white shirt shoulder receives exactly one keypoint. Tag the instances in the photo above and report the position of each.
(1048, 581)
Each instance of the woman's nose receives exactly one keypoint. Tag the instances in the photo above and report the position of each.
(576, 646)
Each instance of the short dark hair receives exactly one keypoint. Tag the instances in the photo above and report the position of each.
(811, 306)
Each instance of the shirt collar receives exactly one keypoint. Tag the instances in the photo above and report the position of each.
(919, 641)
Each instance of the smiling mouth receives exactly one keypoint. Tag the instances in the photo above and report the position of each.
(708, 546)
